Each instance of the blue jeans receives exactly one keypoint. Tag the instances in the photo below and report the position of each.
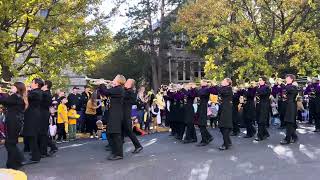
(141, 118)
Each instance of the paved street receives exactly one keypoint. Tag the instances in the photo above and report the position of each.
(165, 158)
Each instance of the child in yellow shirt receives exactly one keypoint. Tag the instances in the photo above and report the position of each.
(73, 116)
(62, 119)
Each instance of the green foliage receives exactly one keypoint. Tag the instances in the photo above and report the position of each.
(43, 37)
(244, 38)
(126, 59)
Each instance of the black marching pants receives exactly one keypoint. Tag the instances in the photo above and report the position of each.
(180, 129)
(226, 136)
(317, 120)
(173, 126)
(116, 144)
(262, 131)
(291, 131)
(312, 111)
(15, 156)
(26, 147)
(43, 144)
(251, 130)
(127, 130)
(34, 148)
(205, 135)
(191, 132)
(236, 128)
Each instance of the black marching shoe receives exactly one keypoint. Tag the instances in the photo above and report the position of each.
(17, 167)
(247, 136)
(294, 140)
(45, 155)
(223, 148)
(284, 142)
(137, 150)
(114, 158)
(317, 130)
(234, 134)
(179, 138)
(108, 148)
(27, 162)
(202, 144)
(187, 141)
(258, 139)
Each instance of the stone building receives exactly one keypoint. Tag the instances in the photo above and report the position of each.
(181, 65)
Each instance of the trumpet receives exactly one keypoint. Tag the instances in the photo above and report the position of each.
(5, 86)
(97, 82)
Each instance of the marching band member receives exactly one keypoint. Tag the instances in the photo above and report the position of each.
(263, 108)
(128, 101)
(203, 94)
(171, 111)
(249, 109)
(116, 94)
(225, 111)
(313, 103)
(310, 91)
(278, 91)
(180, 125)
(235, 112)
(16, 104)
(189, 114)
(291, 92)
(317, 108)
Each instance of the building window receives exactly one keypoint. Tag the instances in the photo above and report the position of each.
(202, 69)
(188, 70)
(180, 41)
(195, 69)
(180, 71)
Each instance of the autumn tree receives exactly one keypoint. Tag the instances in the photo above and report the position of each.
(43, 37)
(247, 38)
(127, 59)
(148, 29)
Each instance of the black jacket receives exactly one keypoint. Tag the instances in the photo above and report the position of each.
(263, 104)
(225, 109)
(203, 94)
(32, 116)
(115, 117)
(14, 116)
(129, 99)
(44, 111)
(189, 110)
(291, 103)
(84, 100)
(249, 107)
(74, 99)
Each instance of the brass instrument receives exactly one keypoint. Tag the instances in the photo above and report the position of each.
(5, 86)
(97, 82)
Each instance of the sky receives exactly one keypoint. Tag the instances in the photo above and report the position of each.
(120, 20)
